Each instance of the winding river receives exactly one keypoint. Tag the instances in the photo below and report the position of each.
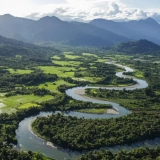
(28, 141)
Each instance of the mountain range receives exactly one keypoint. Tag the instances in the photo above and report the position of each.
(98, 32)
(142, 29)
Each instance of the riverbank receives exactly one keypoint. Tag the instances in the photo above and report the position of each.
(37, 135)
(81, 92)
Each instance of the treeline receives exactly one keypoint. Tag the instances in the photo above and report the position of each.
(136, 154)
(6, 153)
(30, 90)
(63, 102)
(10, 81)
(84, 134)
(114, 80)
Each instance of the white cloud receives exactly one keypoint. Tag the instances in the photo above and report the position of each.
(114, 9)
(83, 10)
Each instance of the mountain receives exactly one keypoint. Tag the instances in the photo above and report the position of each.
(13, 27)
(101, 33)
(98, 33)
(138, 47)
(141, 29)
(52, 29)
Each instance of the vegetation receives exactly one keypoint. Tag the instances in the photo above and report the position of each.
(8, 125)
(139, 99)
(94, 111)
(7, 153)
(34, 79)
(64, 103)
(138, 47)
(136, 154)
(79, 134)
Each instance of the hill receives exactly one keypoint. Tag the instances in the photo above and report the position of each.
(138, 47)
(11, 48)
(17, 54)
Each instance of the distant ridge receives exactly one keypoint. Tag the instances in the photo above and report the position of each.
(136, 29)
(52, 29)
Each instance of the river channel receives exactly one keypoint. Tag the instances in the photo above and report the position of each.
(28, 141)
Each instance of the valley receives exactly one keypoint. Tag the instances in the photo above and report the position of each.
(68, 102)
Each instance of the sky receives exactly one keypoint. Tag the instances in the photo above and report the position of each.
(83, 10)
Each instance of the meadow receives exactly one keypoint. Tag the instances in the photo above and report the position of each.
(22, 101)
(19, 71)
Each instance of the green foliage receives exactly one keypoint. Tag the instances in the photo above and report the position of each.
(7, 153)
(94, 111)
(10, 81)
(136, 154)
(138, 47)
(27, 91)
(79, 134)
(64, 103)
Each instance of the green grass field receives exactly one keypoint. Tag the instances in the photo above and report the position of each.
(28, 105)
(72, 63)
(56, 57)
(72, 56)
(19, 71)
(14, 102)
(138, 74)
(89, 54)
(52, 86)
(101, 60)
(60, 71)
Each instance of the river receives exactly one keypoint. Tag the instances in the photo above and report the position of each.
(28, 141)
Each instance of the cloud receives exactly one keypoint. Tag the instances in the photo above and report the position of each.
(86, 10)
(139, 14)
(114, 9)
(154, 15)
(33, 16)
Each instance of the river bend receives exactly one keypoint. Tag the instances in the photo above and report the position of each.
(28, 141)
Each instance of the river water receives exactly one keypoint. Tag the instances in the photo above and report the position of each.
(28, 141)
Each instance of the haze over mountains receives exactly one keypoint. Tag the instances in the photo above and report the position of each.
(142, 29)
(98, 32)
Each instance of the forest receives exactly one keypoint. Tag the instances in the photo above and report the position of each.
(136, 154)
(63, 102)
(84, 134)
